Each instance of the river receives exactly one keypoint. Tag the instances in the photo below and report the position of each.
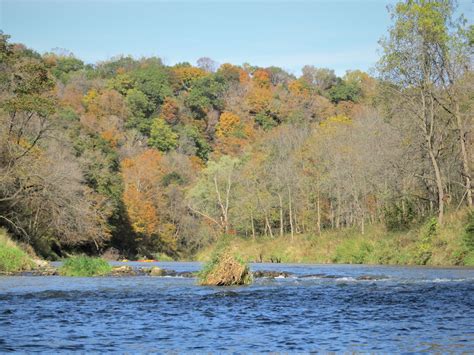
(339, 308)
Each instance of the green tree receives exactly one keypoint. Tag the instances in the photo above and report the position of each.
(141, 108)
(153, 81)
(212, 196)
(138, 103)
(415, 66)
(344, 91)
(64, 65)
(162, 137)
(206, 94)
(199, 145)
(111, 68)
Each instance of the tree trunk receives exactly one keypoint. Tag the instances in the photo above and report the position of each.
(439, 184)
(465, 159)
(332, 215)
(429, 129)
(224, 207)
(318, 211)
(267, 222)
(290, 214)
(281, 215)
(252, 224)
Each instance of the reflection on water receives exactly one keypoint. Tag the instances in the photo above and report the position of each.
(337, 307)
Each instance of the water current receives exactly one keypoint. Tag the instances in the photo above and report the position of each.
(317, 308)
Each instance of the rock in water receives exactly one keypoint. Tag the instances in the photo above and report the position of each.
(123, 270)
(226, 270)
(271, 274)
(156, 271)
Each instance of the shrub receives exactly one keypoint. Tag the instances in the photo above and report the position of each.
(468, 237)
(162, 136)
(265, 121)
(400, 216)
(85, 266)
(12, 258)
(344, 91)
(225, 269)
(423, 250)
(465, 255)
(352, 251)
(469, 259)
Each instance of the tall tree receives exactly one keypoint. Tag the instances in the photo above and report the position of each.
(413, 65)
(212, 196)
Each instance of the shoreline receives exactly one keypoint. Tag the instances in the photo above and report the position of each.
(124, 270)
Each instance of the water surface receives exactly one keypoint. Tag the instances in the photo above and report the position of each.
(402, 310)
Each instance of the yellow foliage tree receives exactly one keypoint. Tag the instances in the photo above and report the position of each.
(259, 99)
(299, 88)
(228, 122)
(185, 76)
(143, 215)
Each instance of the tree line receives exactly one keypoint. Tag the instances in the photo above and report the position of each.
(147, 158)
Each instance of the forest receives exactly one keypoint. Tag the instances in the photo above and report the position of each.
(148, 159)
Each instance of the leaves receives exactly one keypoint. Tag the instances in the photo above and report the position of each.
(162, 137)
(228, 123)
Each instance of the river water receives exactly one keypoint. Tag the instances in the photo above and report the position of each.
(398, 309)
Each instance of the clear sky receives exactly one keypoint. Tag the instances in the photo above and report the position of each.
(337, 34)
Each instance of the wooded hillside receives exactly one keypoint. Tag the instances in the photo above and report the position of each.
(149, 158)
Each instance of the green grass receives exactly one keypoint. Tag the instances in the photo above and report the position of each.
(353, 251)
(427, 244)
(469, 259)
(12, 258)
(85, 266)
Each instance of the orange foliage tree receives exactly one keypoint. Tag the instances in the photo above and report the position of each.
(144, 201)
(170, 110)
(262, 78)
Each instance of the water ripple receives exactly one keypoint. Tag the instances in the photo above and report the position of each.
(357, 309)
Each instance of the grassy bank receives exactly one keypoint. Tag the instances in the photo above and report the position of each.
(85, 266)
(427, 244)
(12, 257)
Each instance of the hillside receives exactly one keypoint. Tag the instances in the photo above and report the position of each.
(151, 159)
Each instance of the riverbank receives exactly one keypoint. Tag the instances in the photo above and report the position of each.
(451, 244)
(429, 244)
(12, 257)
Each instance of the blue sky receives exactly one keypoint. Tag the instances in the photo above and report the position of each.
(337, 34)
